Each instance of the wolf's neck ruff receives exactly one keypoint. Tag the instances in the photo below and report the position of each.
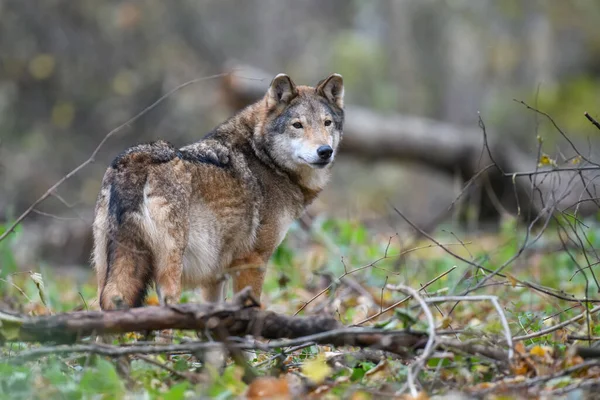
(246, 129)
(221, 206)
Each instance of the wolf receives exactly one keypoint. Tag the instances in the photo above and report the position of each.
(189, 217)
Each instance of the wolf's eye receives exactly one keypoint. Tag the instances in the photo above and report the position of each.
(297, 125)
(328, 122)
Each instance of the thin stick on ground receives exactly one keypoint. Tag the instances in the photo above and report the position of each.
(404, 300)
(371, 265)
(164, 366)
(397, 342)
(557, 326)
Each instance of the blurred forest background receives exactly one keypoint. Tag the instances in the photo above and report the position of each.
(70, 71)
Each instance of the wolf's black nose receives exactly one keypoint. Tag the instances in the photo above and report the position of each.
(324, 152)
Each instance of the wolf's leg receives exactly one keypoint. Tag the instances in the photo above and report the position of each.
(166, 224)
(248, 271)
(214, 292)
(168, 278)
(128, 273)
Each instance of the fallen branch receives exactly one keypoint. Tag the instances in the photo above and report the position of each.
(240, 317)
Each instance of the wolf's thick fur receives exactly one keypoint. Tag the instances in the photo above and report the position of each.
(185, 217)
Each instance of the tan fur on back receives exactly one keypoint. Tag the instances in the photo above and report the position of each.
(189, 217)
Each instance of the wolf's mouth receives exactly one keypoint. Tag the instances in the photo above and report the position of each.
(320, 164)
(317, 164)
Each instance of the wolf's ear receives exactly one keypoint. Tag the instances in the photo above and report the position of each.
(332, 89)
(281, 91)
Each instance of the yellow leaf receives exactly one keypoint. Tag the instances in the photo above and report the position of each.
(445, 323)
(512, 280)
(576, 160)
(537, 351)
(545, 160)
(379, 372)
(360, 395)
(152, 300)
(42, 66)
(317, 370)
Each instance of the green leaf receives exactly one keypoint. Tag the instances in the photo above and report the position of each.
(103, 379)
(177, 392)
(407, 319)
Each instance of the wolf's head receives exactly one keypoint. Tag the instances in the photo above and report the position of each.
(302, 125)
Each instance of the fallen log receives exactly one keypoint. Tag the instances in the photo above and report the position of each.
(239, 317)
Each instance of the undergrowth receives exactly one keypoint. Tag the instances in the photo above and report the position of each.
(312, 259)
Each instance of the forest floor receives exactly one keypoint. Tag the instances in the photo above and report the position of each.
(526, 339)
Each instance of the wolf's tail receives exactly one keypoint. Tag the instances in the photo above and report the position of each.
(122, 257)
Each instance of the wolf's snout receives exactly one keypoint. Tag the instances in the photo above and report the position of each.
(325, 152)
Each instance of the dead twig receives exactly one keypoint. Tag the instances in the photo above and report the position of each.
(404, 300)
(492, 299)
(557, 326)
(397, 342)
(418, 364)
(592, 120)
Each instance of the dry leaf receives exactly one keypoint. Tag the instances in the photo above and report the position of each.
(520, 348)
(445, 323)
(152, 300)
(268, 387)
(520, 369)
(36, 277)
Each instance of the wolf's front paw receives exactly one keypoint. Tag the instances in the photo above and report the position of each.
(119, 303)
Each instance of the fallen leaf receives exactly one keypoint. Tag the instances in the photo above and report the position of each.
(537, 351)
(445, 323)
(152, 300)
(520, 369)
(36, 277)
(269, 387)
(379, 372)
(520, 348)
(317, 369)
